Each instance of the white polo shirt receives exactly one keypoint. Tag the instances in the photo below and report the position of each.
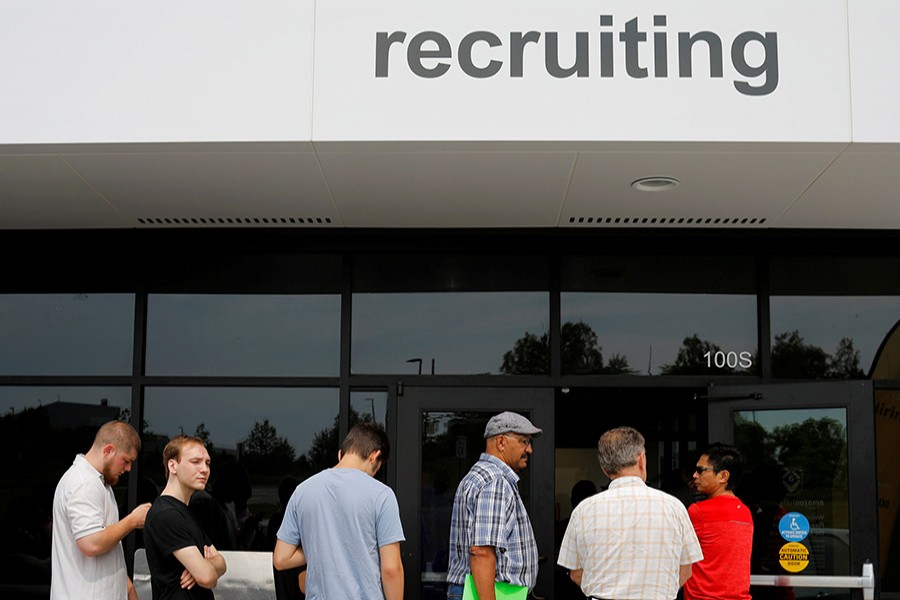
(83, 504)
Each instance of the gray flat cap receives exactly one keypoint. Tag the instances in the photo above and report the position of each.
(510, 422)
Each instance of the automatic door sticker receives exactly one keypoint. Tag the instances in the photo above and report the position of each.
(793, 557)
(793, 527)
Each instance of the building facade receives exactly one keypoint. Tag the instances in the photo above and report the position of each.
(261, 225)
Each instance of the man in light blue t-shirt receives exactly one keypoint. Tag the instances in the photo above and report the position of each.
(350, 523)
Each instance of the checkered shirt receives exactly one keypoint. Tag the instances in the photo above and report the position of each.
(488, 511)
(630, 540)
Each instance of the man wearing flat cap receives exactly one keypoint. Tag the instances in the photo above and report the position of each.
(490, 533)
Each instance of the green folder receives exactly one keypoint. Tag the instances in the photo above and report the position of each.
(503, 590)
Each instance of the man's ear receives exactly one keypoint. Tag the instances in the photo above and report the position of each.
(374, 456)
(171, 465)
(109, 450)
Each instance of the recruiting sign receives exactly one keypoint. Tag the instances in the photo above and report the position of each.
(653, 70)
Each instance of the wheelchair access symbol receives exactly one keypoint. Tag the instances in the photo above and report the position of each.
(793, 527)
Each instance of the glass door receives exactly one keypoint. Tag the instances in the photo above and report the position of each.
(809, 478)
(440, 436)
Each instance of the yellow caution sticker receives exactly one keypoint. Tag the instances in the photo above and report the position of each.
(794, 557)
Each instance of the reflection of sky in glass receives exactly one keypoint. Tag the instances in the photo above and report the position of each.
(464, 332)
(823, 321)
(229, 414)
(638, 325)
(16, 399)
(770, 419)
(265, 335)
(66, 334)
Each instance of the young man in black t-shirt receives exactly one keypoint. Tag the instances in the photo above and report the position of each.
(184, 565)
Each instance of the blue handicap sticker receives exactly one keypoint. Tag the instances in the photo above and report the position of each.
(794, 527)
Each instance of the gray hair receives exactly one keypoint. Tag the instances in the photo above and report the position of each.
(619, 448)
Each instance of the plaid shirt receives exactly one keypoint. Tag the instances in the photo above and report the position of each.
(630, 540)
(488, 511)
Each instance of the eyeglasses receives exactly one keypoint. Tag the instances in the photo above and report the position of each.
(524, 441)
(699, 470)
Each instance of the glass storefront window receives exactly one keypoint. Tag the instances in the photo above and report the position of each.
(796, 485)
(262, 441)
(451, 443)
(829, 337)
(66, 334)
(448, 332)
(260, 335)
(658, 334)
(41, 431)
(368, 406)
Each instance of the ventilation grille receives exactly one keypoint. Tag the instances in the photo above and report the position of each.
(231, 221)
(720, 221)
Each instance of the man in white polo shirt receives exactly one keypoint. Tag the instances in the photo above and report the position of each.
(87, 556)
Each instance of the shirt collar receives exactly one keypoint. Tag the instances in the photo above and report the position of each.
(505, 468)
(83, 463)
(626, 481)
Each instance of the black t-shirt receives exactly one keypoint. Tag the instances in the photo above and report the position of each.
(170, 526)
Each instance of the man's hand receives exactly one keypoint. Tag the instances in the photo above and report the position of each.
(187, 580)
(139, 515)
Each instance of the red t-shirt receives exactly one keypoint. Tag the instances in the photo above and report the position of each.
(724, 527)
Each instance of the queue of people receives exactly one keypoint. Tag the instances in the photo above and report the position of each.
(629, 541)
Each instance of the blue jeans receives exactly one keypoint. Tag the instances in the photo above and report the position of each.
(454, 591)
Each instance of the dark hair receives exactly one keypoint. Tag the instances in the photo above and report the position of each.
(364, 439)
(726, 458)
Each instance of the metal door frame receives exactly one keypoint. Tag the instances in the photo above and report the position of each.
(413, 401)
(857, 397)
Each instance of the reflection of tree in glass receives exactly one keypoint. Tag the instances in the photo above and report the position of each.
(581, 354)
(693, 358)
(818, 448)
(804, 461)
(793, 358)
(265, 451)
(323, 450)
(202, 433)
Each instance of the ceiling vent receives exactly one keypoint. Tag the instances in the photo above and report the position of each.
(234, 221)
(676, 221)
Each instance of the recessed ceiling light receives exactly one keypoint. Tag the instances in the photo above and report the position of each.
(655, 184)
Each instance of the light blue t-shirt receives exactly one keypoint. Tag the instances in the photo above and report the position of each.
(341, 517)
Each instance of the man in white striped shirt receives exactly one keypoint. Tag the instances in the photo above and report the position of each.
(631, 541)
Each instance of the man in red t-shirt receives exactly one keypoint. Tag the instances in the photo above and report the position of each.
(724, 527)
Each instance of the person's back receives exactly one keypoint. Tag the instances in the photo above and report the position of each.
(724, 526)
(349, 525)
(642, 535)
(348, 515)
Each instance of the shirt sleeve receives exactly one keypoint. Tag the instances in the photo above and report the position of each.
(568, 550)
(289, 532)
(387, 522)
(690, 548)
(85, 510)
